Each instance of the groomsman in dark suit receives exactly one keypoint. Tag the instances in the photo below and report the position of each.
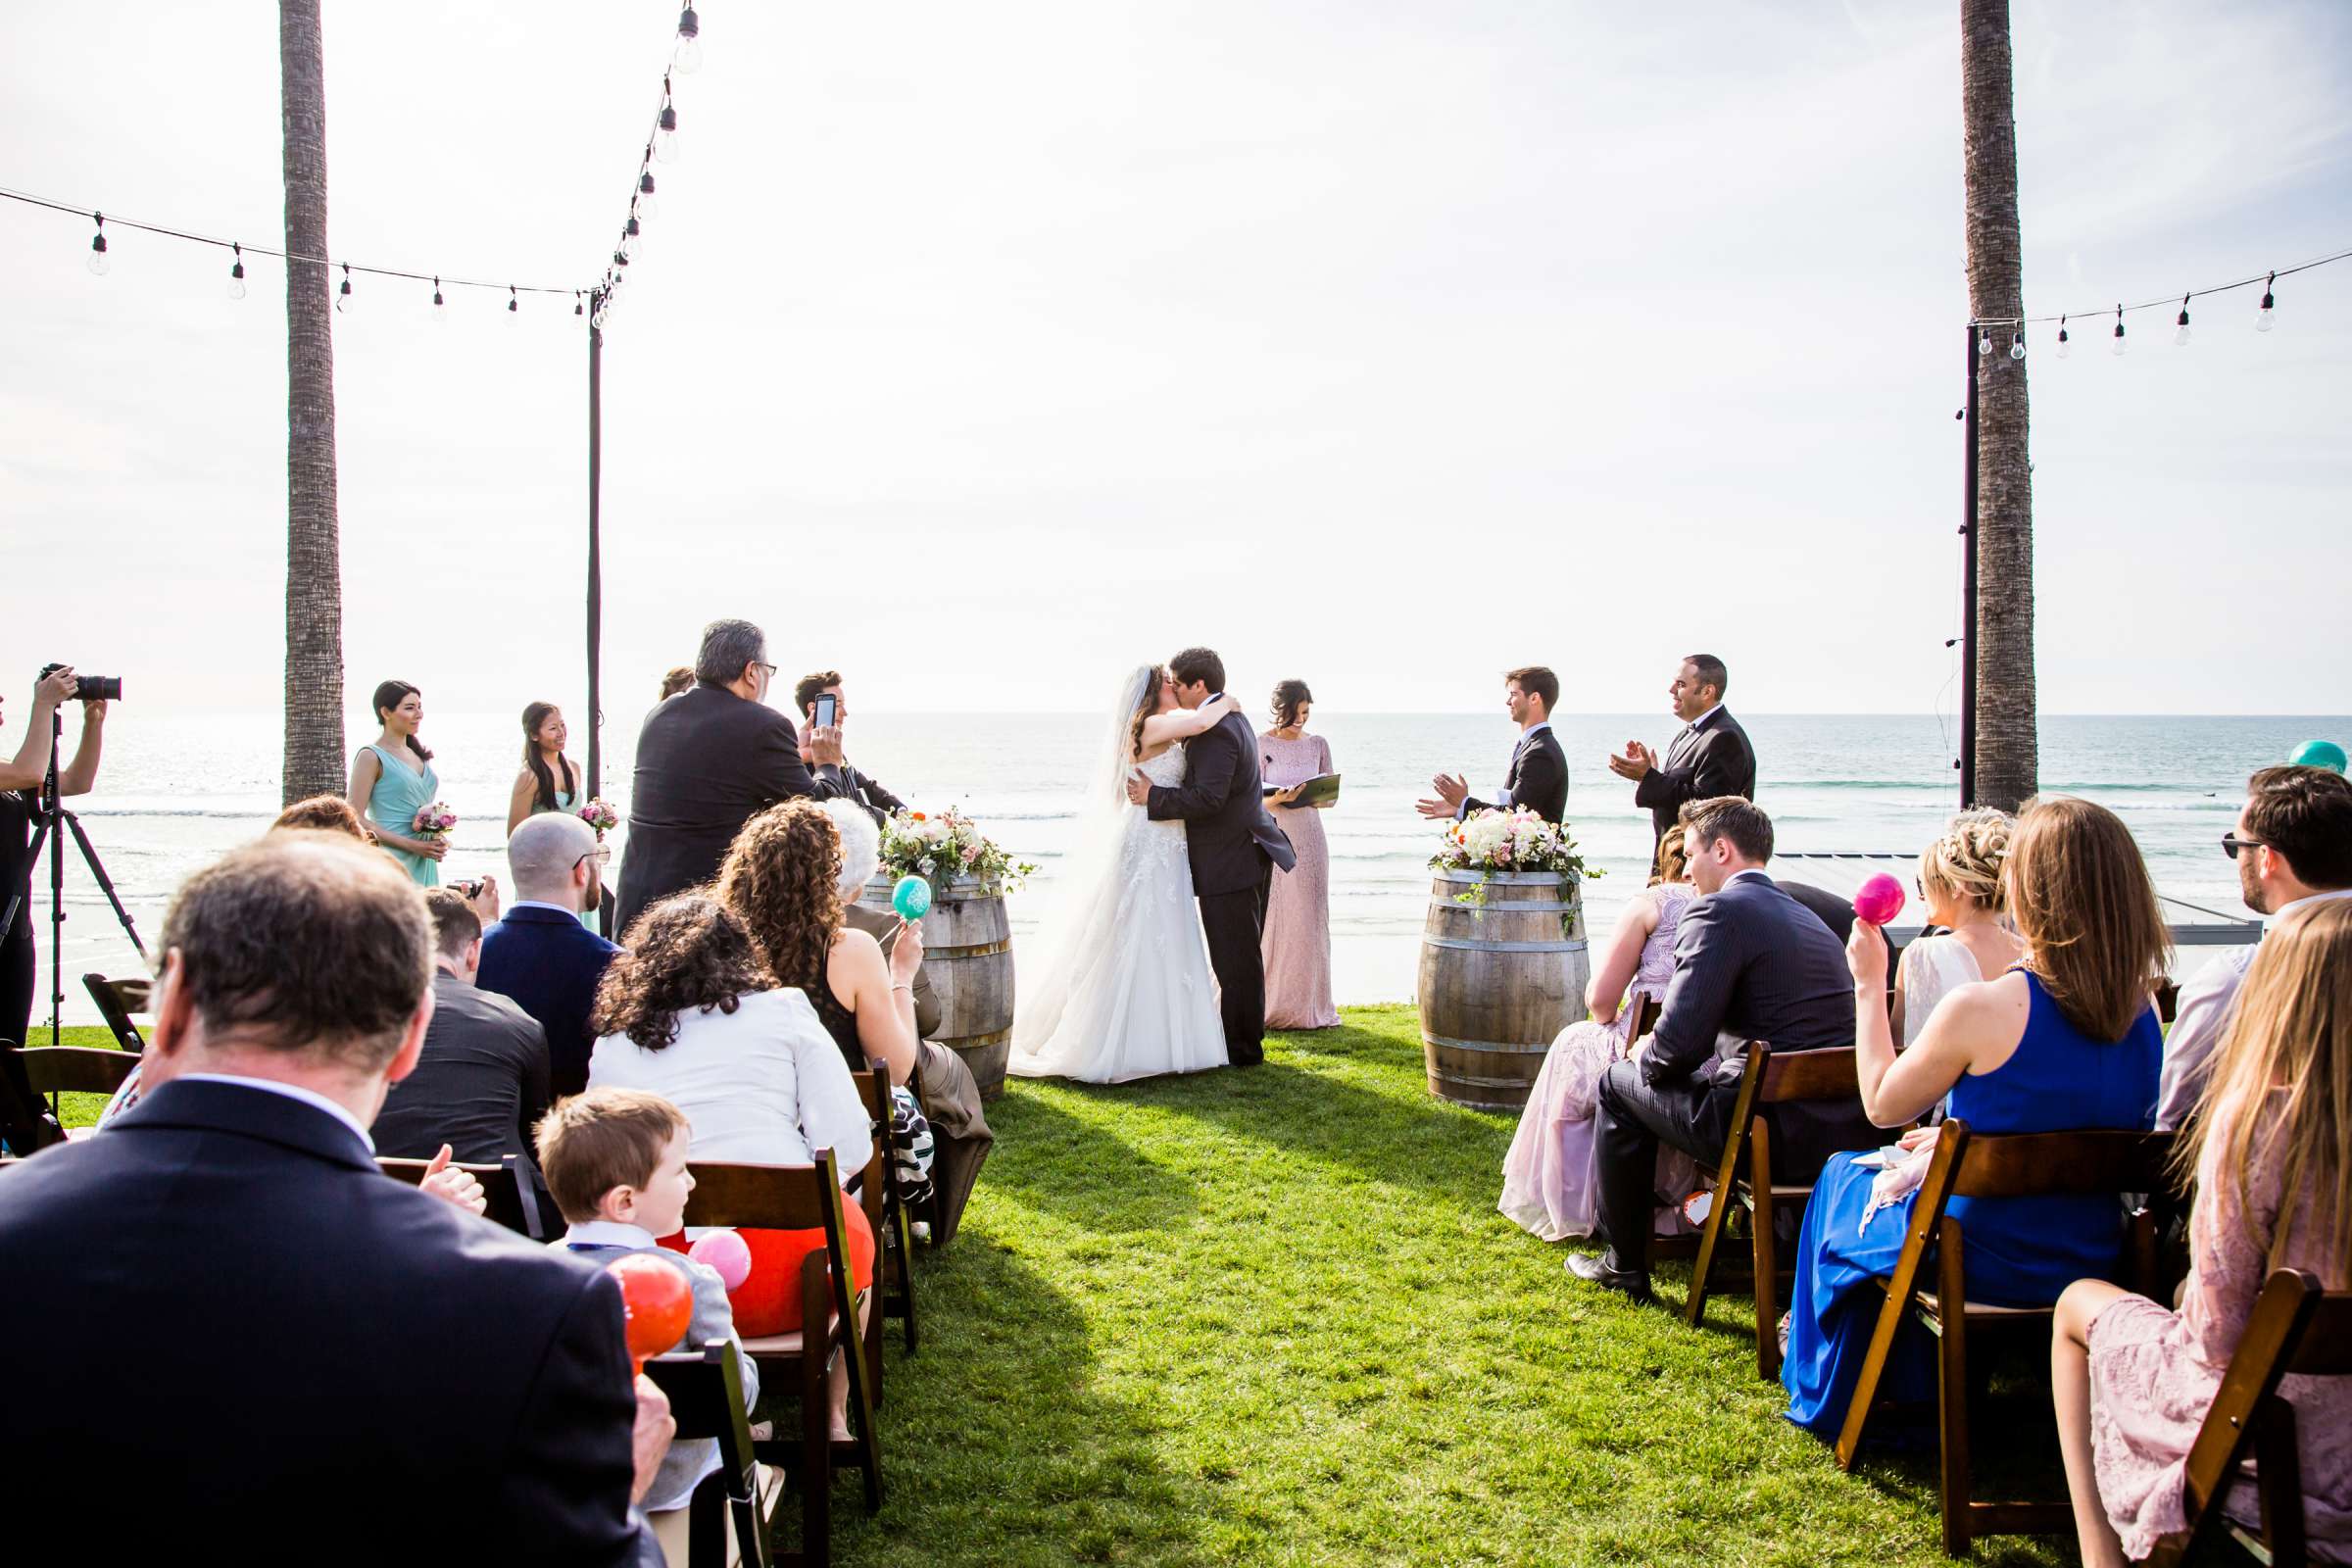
(1711, 756)
(1537, 779)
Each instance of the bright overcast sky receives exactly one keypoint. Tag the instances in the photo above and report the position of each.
(985, 350)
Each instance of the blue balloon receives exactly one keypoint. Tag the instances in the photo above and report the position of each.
(2319, 753)
(912, 897)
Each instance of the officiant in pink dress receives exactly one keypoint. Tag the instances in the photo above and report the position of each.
(1297, 938)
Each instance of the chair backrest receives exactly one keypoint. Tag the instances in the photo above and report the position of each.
(507, 1185)
(1647, 1010)
(75, 1069)
(778, 1198)
(705, 1389)
(117, 1000)
(2168, 999)
(879, 1176)
(1828, 1073)
(2032, 1164)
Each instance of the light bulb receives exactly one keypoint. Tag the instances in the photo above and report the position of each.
(2180, 339)
(1984, 343)
(98, 264)
(236, 281)
(647, 207)
(665, 136)
(2064, 347)
(689, 56)
(2017, 346)
(2116, 347)
(440, 311)
(2264, 316)
(514, 306)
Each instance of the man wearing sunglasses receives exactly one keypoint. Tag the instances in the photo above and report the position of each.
(2293, 846)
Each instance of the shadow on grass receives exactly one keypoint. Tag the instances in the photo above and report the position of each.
(1085, 1173)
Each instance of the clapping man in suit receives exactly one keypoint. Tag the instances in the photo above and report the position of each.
(878, 801)
(1710, 757)
(279, 1317)
(1749, 963)
(539, 956)
(1537, 779)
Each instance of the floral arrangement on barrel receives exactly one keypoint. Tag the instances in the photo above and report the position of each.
(432, 822)
(1512, 840)
(947, 846)
(600, 814)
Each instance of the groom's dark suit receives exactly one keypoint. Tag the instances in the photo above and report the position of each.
(1233, 845)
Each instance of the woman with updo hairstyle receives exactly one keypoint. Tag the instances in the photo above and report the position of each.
(1960, 883)
(392, 779)
(548, 781)
(689, 1010)
(782, 878)
(1297, 946)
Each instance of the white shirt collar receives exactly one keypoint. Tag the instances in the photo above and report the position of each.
(1748, 871)
(608, 1233)
(541, 903)
(1529, 733)
(309, 1097)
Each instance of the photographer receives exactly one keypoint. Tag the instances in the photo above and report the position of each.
(878, 801)
(21, 782)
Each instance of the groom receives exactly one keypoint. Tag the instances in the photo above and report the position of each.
(1233, 846)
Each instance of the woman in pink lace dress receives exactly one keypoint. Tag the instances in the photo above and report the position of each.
(2132, 1381)
(1548, 1177)
(1297, 942)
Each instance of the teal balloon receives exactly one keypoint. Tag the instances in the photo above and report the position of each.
(2320, 753)
(912, 897)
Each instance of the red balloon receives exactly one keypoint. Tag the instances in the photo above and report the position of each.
(659, 1301)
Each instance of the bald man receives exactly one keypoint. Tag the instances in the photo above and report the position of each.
(540, 955)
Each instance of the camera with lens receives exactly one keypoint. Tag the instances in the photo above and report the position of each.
(88, 688)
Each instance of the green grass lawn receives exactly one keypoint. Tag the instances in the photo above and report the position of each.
(1272, 1316)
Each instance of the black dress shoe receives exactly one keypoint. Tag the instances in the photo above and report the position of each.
(1596, 1267)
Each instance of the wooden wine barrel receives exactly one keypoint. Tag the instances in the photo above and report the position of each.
(967, 956)
(1498, 982)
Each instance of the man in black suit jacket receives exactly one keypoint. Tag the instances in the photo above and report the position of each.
(1537, 779)
(1749, 963)
(1709, 757)
(1233, 845)
(480, 1084)
(540, 956)
(224, 1297)
(707, 761)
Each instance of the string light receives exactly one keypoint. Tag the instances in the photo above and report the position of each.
(689, 56)
(2064, 348)
(1984, 343)
(236, 273)
(665, 129)
(645, 205)
(2180, 339)
(98, 263)
(2264, 316)
(2017, 346)
(440, 312)
(2117, 348)
(577, 309)
(344, 292)
(514, 305)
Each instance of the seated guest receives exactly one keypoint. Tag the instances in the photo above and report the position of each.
(783, 879)
(1960, 882)
(616, 1161)
(2132, 1381)
(540, 955)
(677, 680)
(862, 788)
(282, 1317)
(2293, 846)
(689, 1011)
(707, 761)
(949, 1095)
(330, 813)
(2066, 1038)
(1549, 1175)
(1749, 963)
(480, 1084)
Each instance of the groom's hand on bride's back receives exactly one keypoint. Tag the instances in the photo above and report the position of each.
(1138, 789)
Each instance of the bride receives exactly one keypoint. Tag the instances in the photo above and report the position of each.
(1124, 990)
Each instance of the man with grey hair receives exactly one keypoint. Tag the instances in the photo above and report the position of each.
(709, 761)
(540, 955)
(291, 1318)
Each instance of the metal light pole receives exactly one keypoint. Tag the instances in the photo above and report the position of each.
(596, 569)
(1968, 582)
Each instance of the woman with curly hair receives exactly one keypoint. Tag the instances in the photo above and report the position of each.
(782, 878)
(690, 1012)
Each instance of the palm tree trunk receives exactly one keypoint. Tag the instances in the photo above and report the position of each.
(2007, 751)
(313, 695)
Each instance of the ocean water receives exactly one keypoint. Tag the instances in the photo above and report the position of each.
(178, 789)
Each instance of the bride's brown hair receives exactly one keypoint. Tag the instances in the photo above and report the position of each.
(1145, 709)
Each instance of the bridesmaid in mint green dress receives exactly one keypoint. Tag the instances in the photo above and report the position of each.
(393, 778)
(548, 781)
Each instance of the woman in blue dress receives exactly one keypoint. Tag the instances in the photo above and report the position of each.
(2066, 1038)
(393, 778)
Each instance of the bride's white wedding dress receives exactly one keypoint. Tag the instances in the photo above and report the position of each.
(1123, 991)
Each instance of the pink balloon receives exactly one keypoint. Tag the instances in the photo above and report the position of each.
(1879, 901)
(725, 1253)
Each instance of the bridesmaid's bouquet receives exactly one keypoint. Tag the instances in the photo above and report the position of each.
(942, 848)
(599, 813)
(432, 822)
(1514, 840)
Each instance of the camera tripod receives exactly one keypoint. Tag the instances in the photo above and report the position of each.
(50, 813)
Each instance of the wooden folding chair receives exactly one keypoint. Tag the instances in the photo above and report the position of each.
(1743, 1177)
(727, 1518)
(507, 1185)
(2009, 1165)
(894, 1237)
(799, 1197)
(1647, 1010)
(2296, 1327)
(117, 1000)
(54, 1070)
